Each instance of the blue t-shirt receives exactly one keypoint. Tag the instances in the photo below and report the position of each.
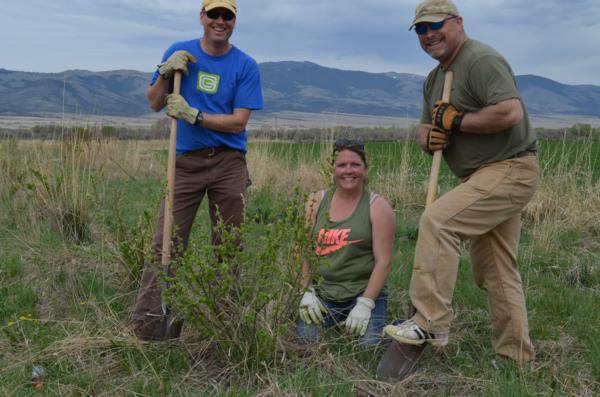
(215, 85)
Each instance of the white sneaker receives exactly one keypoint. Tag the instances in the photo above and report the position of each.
(410, 333)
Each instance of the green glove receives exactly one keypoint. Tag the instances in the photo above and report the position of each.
(178, 108)
(177, 62)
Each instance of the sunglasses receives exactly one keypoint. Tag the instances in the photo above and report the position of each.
(421, 27)
(349, 144)
(343, 143)
(215, 14)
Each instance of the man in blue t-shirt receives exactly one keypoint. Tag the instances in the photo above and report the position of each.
(220, 87)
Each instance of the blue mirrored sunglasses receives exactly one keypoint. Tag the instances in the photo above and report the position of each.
(421, 27)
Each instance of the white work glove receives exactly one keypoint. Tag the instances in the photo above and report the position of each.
(311, 308)
(358, 318)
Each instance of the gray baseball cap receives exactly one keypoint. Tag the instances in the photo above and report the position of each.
(434, 11)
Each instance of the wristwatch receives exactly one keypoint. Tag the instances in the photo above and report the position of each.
(199, 118)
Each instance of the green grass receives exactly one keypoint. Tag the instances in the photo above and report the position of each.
(65, 305)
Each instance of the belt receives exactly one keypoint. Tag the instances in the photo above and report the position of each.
(524, 153)
(207, 152)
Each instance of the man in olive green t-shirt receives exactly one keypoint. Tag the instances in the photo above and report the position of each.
(487, 142)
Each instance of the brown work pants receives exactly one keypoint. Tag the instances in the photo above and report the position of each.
(224, 178)
(486, 209)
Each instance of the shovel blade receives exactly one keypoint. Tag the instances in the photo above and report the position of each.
(158, 328)
(399, 361)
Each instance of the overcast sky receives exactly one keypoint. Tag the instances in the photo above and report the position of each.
(555, 39)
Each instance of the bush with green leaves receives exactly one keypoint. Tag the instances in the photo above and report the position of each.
(244, 300)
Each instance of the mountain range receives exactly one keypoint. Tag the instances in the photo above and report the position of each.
(288, 86)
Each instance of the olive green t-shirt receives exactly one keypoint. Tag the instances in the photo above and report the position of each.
(482, 77)
(344, 249)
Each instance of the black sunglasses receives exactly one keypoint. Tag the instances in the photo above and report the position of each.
(215, 14)
(421, 27)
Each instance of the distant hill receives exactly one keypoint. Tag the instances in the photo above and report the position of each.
(288, 86)
(114, 93)
(545, 96)
(308, 87)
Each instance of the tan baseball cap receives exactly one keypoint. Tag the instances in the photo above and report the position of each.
(434, 11)
(229, 4)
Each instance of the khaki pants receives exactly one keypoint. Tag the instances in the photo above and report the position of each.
(485, 209)
(224, 178)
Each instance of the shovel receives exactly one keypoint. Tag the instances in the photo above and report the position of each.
(400, 359)
(165, 325)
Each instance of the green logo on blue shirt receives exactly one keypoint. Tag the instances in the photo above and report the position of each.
(208, 82)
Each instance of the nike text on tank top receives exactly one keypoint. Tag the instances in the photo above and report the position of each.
(344, 250)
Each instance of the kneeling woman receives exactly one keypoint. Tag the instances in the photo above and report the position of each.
(354, 232)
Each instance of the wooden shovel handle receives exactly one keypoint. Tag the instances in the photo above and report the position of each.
(168, 214)
(437, 156)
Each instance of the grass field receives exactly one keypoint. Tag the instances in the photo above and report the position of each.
(75, 223)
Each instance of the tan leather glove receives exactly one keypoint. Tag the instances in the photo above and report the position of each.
(437, 139)
(178, 108)
(176, 62)
(446, 116)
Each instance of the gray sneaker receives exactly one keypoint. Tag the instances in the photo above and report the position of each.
(410, 333)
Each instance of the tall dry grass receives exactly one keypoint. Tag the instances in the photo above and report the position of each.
(277, 174)
(568, 198)
(59, 182)
(395, 177)
(50, 183)
(133, 159)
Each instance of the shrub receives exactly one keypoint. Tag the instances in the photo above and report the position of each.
(248, 317)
